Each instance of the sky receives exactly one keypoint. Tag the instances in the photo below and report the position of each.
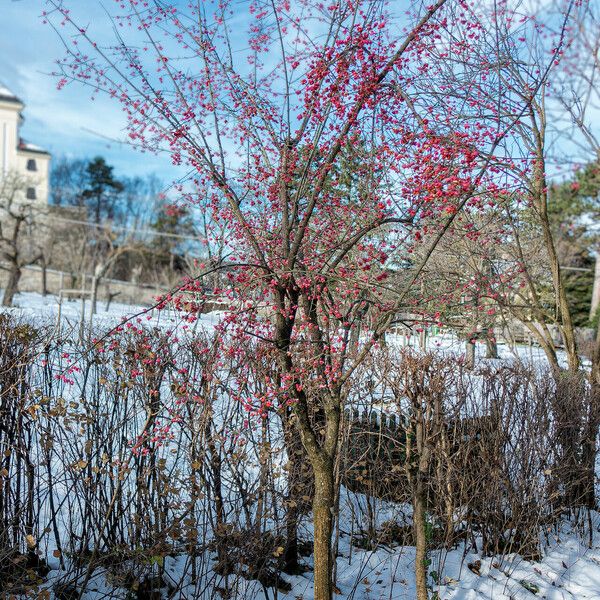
(65, 122)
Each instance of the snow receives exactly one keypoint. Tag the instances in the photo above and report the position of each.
(5, 92)
(568, 571)
(569, 568)
(27, 146)
(35, 307)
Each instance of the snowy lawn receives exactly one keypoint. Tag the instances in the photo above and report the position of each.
(569, 568)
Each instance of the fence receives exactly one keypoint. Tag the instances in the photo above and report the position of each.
(32, 280)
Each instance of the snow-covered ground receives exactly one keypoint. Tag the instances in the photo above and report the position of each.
(568, 570)
(45, 309)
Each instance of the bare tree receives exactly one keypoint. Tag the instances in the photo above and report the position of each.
(23, 230)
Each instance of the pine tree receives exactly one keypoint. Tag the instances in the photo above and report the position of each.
(102, 190)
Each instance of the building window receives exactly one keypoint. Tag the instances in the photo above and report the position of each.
(31, 164)
(31, 193)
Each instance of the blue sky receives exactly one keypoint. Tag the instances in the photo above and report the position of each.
(65, 122)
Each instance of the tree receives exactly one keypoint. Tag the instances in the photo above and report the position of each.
(170, 222)
(139, 202)
(574, 207)
(578, 95)
(22, 231)
(68, 179)
(91, 185)
(102, 189)
(308, 263)
(109, 247)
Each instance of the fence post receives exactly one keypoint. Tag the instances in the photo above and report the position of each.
(59, 311)
(94, 294)
(392, 422)
(82, 319)
(423, 338)
(374, 419)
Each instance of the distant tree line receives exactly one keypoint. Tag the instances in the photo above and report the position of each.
(153, 237)
(97, 224)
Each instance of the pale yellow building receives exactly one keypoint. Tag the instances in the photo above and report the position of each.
(18, 156)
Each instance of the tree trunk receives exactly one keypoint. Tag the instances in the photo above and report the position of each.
(491, 346)
(290, 556)
(541, 204)
(595, 370)
(420, 532)
(595, 305)
(544, 339)
(590, 445)
(263, 479)
(44, 279)
(300, 479)
(320, 440)
(220, 528)
(470, 353)
(94, 294)
(420, 458)
(323, 508)
(12, 285)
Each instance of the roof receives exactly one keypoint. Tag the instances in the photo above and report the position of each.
(27, 147)
(7, 96)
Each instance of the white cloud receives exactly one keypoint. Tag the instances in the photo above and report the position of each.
(63, 121)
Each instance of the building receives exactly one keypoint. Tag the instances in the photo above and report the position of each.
(18, 156)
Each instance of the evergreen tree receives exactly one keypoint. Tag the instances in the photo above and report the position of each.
(102, 190)
(574, 207)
